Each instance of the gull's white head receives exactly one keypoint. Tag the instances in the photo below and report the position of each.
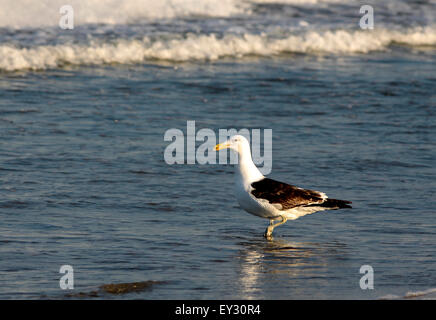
(236, 143)
(245, 167)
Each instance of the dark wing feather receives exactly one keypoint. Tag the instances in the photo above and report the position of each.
(284, 194)
(333, 204)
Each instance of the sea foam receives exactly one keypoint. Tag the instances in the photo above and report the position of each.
(202, 47)
(34, 14)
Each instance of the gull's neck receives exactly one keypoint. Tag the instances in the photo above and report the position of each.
(246, 170)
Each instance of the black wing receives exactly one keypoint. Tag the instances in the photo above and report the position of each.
(289, 196)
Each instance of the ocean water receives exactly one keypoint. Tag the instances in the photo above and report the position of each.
(83, 113)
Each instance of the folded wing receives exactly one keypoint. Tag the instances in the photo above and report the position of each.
(288, 196)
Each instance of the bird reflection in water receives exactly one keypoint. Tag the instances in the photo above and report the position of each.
(280, 268)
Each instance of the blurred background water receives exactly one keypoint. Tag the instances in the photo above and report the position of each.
(83, 179)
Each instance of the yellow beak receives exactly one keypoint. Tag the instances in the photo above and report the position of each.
(222, 146)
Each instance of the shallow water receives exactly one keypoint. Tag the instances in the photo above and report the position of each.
(83, 181)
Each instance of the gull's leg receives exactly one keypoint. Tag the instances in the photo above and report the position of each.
(284, 219)
(269, 230)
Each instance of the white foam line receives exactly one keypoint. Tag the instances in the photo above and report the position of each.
(411, 295)
(415, 294)
(208, 47)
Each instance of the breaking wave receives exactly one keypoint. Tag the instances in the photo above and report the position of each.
(194, 47)
(34, 14)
